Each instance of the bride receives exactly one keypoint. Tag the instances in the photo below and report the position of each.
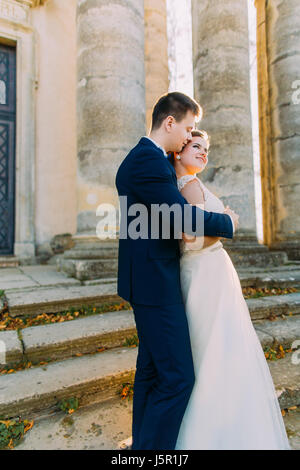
(233, 404)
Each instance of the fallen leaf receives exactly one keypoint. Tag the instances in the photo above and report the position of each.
(28, 425)
(6, 422)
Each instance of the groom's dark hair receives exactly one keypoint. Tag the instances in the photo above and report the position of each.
(174, 104)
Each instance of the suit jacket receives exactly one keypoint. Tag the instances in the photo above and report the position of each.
(148, 269)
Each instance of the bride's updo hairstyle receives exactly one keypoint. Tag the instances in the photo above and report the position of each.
(195, 133)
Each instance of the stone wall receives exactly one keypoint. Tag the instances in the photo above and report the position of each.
(55, 196)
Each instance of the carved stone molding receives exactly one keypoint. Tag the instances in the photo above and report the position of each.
(17, 11)
(14, 11)
(32, 3)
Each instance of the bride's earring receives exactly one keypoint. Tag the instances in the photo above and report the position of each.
(178, 157)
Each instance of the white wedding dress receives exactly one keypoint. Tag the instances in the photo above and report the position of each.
(233, 405)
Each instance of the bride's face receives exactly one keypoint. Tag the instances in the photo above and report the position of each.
(194, 155)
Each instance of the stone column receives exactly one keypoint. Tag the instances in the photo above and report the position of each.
(111, 97)
(265, 132)
(278, 27)
(110, 116)
(222, 86)
(156, 54)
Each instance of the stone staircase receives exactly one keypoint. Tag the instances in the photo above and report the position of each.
(87, 357)
(91, 258)
(8, 261)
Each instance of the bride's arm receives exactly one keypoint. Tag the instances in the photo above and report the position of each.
(193, 193)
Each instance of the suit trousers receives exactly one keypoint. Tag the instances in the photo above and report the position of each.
(164, 376)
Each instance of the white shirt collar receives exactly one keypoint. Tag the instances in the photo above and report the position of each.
(159, 146)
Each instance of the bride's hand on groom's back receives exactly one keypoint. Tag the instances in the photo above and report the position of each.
(235, 217)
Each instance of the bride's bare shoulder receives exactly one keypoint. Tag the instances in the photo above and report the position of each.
(193, 192)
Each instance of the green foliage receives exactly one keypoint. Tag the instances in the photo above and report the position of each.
(133, 341)
(276, 352)
(12, 432)
(69, 405)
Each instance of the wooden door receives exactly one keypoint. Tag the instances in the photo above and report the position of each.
(7, 147)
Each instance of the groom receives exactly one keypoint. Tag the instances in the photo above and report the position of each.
(149, 275)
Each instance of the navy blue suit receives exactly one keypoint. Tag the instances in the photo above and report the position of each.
(149, 278)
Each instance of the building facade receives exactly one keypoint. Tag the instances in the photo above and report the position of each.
(78, 79)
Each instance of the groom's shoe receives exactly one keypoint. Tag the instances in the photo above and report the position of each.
(126, 444)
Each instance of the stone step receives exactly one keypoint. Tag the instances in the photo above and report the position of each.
(52, 300)
(274, 306)
(92, 378)
(247, 253)
(270, 278)
(283, 277)
(87, 269)
(292, 426)
(21, 278)
(82, 336)
(90, 258)
(99, 253)
(286, 377)
(264, 258)
(59, 341)
(8, 262)
(102, 426)
(289, 266)
(279, 276)
(280, 332)
(29, 278)
(107, 279)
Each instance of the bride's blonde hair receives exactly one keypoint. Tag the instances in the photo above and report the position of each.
(201, 133)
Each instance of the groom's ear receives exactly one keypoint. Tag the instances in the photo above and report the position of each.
(168, 123)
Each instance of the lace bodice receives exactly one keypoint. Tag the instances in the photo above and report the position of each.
(211, 204)
(181, 182)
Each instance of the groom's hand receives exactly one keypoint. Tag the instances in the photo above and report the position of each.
(233, 215)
